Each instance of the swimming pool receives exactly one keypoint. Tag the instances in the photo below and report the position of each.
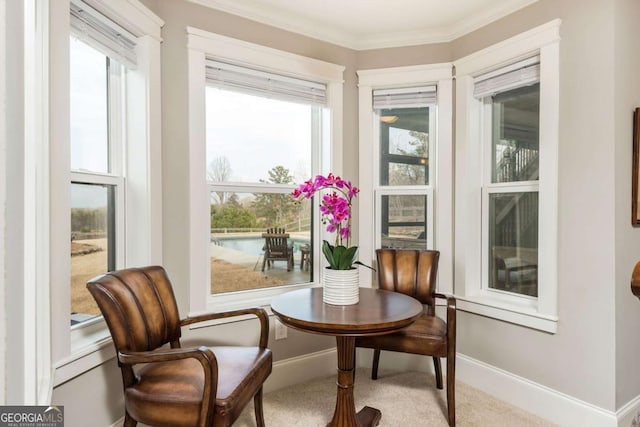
(249, 245)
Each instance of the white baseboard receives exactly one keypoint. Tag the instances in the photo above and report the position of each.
(629, 412)
(535, 398)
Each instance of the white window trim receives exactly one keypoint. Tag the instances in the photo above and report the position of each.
(442, 198)
(542, 315)
(87, 347)
(203, 44)
(36, 321)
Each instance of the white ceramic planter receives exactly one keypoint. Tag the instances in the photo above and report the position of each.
(340, 287)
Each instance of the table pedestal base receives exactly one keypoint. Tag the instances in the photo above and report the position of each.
(369, 416)
(345, 412)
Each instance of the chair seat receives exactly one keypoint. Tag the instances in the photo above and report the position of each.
(426, 336)
(170, 393)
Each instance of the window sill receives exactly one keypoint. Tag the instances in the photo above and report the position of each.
(520, 314)
(84, 360)
(249, 298)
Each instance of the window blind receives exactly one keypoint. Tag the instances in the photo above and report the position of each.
(519, 74)
(262, 83)
(101, 33)
(411, 97)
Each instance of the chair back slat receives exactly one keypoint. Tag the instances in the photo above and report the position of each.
(276, 241)
(412, 272)
(139, 307)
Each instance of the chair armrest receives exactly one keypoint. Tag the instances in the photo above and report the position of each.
(260, 313)
(451, 314)
(202, 354)
(451, 301)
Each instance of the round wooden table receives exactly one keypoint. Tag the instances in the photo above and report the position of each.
(378, 312)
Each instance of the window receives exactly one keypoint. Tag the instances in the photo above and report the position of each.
(404, 194)
(405, 135)
(271, 120)
(105, 172)
(511, 119)
(507, 177)
(97, 180)
(263, 131)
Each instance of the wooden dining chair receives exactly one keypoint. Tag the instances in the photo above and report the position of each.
(413, 273)
(171, 385)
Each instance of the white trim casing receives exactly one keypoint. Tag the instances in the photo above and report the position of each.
(36, 318)
(540, 313)
(144, 199)
(204, 45)
(441, 198)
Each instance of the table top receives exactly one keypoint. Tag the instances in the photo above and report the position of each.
(378, 312)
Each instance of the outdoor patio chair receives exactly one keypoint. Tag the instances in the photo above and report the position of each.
(277, 248)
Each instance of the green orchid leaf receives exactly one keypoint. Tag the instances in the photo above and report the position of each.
(364, 265)
(347, 258)
(340, 257)
(328, 250)
(338, 253)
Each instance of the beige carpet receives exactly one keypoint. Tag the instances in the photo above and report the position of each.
(406, 399)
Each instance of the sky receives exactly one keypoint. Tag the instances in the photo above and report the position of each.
(256, 134)
(88, 121)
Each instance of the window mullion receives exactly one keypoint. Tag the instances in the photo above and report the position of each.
(95, 178)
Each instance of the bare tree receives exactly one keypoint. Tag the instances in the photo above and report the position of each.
(219, 170)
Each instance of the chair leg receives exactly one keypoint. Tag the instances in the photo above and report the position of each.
(257, 406)
(451, 390)
(128, 421)
(264, 262)
(438, 369)
(374, 366)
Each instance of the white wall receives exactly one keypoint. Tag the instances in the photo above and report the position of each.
(14, 214)
(627, 250)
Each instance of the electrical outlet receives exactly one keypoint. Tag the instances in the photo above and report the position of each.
(281, 330)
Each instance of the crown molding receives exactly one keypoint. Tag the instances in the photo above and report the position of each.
(322, 31)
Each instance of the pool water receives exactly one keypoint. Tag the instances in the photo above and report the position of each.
(250, 245)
